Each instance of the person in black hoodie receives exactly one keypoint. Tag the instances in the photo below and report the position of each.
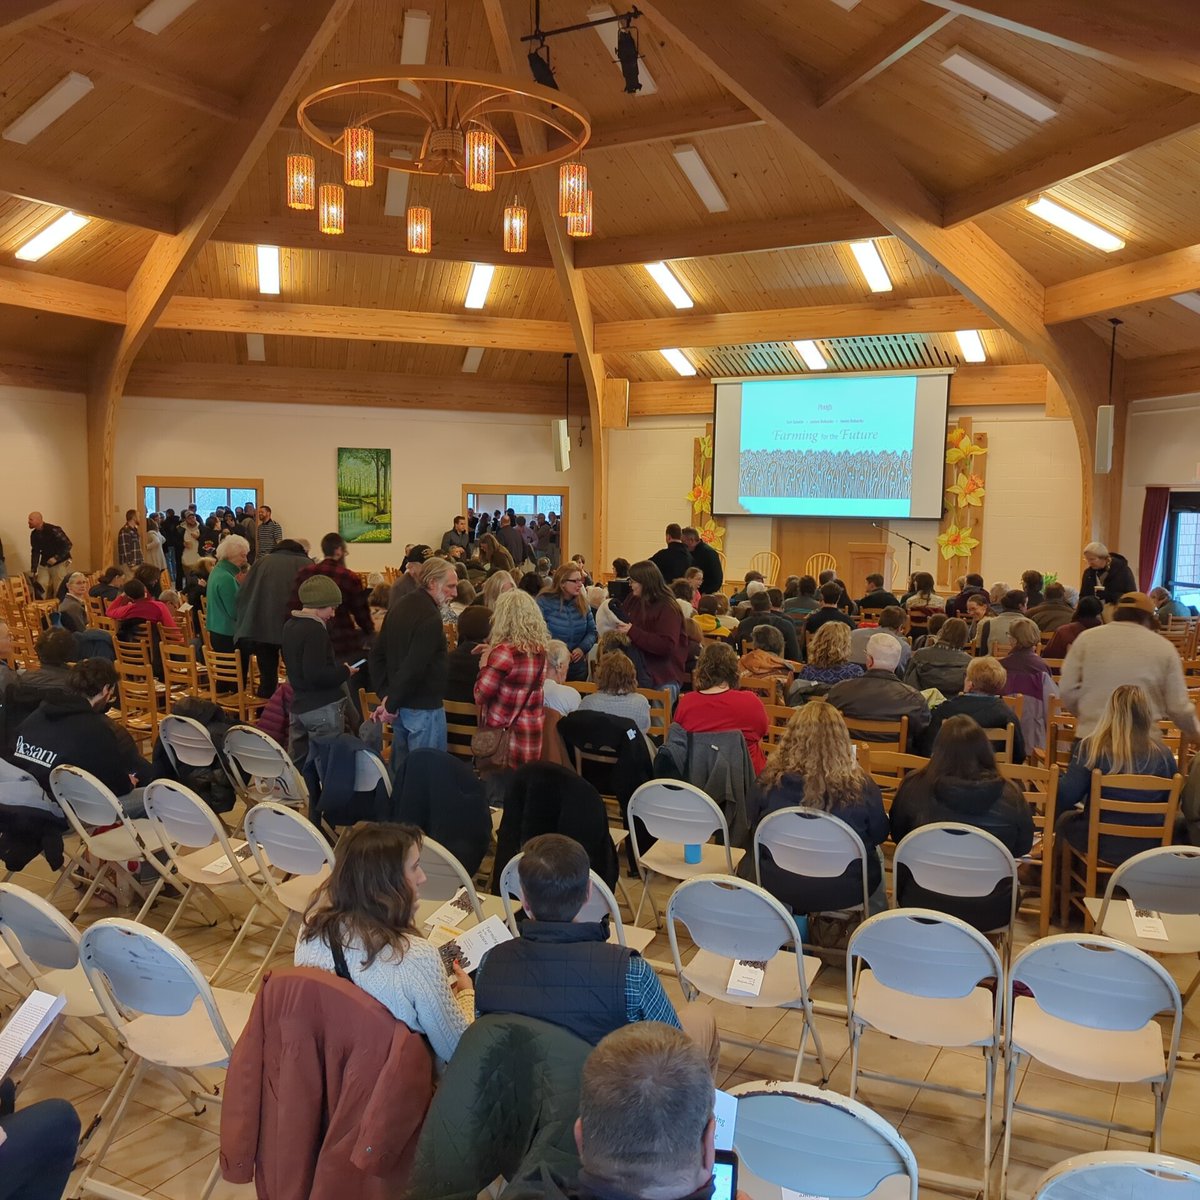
(462, 664)
(962, 784)
(71, 730)
(673, 559)
(1107, 576)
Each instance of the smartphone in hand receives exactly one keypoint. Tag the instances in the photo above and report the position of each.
(725, 1172)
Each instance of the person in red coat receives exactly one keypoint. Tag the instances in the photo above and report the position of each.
(655, 626)
(719, 705)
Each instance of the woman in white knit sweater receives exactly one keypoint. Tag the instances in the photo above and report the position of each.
(360, 925)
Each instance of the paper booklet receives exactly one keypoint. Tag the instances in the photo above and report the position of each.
(219, 866)
(1147, 923)
(468, 946)
(746, 978)
(454, 912)
(31, 1019)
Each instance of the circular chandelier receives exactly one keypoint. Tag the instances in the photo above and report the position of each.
(443, 123)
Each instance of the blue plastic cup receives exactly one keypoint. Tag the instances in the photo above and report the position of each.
(691, 853)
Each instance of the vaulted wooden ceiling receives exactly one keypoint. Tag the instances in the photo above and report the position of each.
(139, 153)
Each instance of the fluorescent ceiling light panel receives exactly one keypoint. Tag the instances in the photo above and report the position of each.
(608, 35)
(41, 114)
(1189, 300)
(481, 280)
(51, 237)
(699, 176)
(414, 44)
(814, 360)
(256, 347)
(671, 287)
(268, 270)
(395, 201)
(999, 86)
(158, 14)
(871, 265)
(971, 345)
(1071, 222)
(679, 361)
(471, 359)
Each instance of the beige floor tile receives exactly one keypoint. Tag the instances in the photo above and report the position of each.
(943, 1155)
(188, 1184)
(1043, 1141)
(159, 1151)
(1066, 1095)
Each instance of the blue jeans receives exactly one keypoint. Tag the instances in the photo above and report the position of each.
(417, 729)
(38, 1151)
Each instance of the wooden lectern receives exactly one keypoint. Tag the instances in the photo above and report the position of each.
(869, 558)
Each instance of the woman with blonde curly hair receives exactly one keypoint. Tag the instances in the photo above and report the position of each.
(512, 671)
(815, 766)
(496, 586)
(829, 655)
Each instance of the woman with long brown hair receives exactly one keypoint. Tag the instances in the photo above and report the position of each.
(361, 924)
(655, 626)
(493, 556)
(569, 617)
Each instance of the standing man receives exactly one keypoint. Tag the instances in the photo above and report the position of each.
(129, 542)
(247, 526)
(270, 532)
(49, 554)
(509, 536)
(707, 559)
(351, 626)
(409, 664)
(262, 609)
(673, 559)
(459, 535)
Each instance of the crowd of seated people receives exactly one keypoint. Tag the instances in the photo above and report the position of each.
(529, 641)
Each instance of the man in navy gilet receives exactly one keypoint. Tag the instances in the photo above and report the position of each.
(565, 971)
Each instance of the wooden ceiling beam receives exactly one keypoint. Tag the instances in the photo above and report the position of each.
(871, 318)
(1081, 156)
(378, 239)
(739, 237)
(364, 324)
(345, 389)
(1158, 41)
(87, 57)
(758, 71)
(19, 15)
(28, 371)
(882, 51)
(48, 293)
(27, 181)
(1166, 375)
(296, 48)
(714, 117)
(1119, 287)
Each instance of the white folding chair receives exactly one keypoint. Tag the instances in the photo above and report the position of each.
(810, 843)
(1090, 1012)
(957, 860)
(262, 770)
(195, 840)
(88, 805)
(731, 920)
(1166, 880)
(1120, 1175)
(816, 1143)
(678, 814)
(922, 976)
(600, 903)
(188, 743)
(293, 858)
(166, 1016)
(45, 945)
(444, 877)
(369, 772)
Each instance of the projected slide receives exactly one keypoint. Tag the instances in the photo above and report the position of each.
(849, 446)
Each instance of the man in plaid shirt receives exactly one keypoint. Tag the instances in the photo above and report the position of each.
(351, 625)
(565, 971)
(129, 541)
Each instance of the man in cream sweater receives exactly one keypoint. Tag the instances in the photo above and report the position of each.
(1129, 650)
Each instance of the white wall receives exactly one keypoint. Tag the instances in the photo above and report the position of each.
(1162, 449)
(1034, 503)
(293, 449)
(43, 466)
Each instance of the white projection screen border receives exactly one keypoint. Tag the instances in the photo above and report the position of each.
(848, 444)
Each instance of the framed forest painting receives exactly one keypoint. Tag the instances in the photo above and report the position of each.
(364, 495)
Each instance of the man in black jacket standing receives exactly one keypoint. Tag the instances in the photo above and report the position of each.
(409, 663)
(707, 559)
(673, 559)
(49, 554)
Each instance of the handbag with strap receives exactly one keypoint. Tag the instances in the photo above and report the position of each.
(489, 747)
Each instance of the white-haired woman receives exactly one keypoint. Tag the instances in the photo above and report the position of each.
(512, 671)
(223, 584)
(72, 610)
(1107, 575)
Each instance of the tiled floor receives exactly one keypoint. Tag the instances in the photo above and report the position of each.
(165, 1150)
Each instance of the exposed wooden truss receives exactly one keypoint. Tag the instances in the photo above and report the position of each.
(1119, 287)
(17, 16)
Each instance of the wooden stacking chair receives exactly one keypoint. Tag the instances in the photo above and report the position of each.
(766, 687)
(181, 674)
(137, 693)
(1039, 785)
(228, 688)
(767, 562)
(660, 713)
(816, 563)
(887, 735)
(462, 720)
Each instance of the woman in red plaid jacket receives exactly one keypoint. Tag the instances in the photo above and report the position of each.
(511, 673)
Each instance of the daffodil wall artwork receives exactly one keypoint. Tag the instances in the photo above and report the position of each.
(960, 534)
(700, 497)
